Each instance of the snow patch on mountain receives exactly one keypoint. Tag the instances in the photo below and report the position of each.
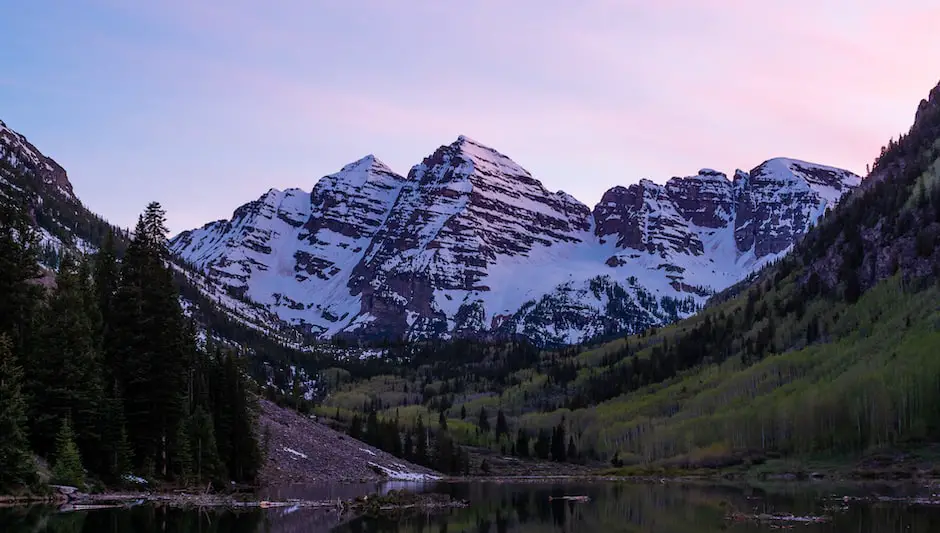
(469, 243)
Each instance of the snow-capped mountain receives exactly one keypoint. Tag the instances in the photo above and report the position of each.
(470, 244)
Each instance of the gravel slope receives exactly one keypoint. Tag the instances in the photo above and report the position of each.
(300, 450)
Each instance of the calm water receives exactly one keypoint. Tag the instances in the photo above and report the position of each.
(524, 508)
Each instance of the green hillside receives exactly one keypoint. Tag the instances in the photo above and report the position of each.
(834, 350)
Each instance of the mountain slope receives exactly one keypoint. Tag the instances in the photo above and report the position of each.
(830, 351)
(38, 185)
(469, 244)
(42, 185)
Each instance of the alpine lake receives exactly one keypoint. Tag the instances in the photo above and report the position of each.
(530, 506)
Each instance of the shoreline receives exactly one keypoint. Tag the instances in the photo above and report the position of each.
(70, 499)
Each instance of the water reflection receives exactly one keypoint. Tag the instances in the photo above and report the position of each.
(654, 508)
(518, 508)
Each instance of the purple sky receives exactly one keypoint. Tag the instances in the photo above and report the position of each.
(205, 105)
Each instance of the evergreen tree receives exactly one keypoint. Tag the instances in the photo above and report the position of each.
(373, 436)
(181, 455)
(572, 453)
(207, 465)
(16, 462)
(244, 459)
(355, 427)
(522, 443)
(558, 443)
(442, 421)
(443, 452)
(502, 428)
(150, 349)
(117, 456)
(65, 377)
(18, 268)
(484, 422)
(421, 444)
(542, 447)
(67, 468)
(463, 412)
(106, 279)
(409, 450)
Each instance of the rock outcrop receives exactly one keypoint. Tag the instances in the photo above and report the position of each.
(470, 244)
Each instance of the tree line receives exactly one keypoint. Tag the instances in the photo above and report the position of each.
(102, 374)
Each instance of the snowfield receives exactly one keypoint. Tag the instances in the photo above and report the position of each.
(470, 243)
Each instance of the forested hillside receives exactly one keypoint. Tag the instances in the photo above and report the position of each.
(832, 350)
(101, 374)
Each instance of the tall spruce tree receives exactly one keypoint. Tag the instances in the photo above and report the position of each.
(244, 460)
(484, 421)
(67, 465)
(19, 267)
(106, 279)
(421, 442)
(150, 351)
(65, 375)
(207, 466)
(16, 462)
(558, 443)
(502, 427)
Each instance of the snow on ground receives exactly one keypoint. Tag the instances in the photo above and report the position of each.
(402, 473)
(294, 253)
(295, 452)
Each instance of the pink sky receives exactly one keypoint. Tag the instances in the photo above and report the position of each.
(204, 106)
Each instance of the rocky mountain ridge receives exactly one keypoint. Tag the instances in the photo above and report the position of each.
(469, 243)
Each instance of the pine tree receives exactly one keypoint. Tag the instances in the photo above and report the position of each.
(150, 348)
(123, 455)
(67, 468)
(409, 447)
(373, 435)
(572, 453)
(558, 443)
(442, 421)
(542, 447)
(502, 428)
(117, 456)
(106, 279)
(16, 462)
(206, 462)
(421, 444)
(484, 422)
(522, 443)
(65, 377)
(18, 268)
(244, 459)
(181, 455)
(463, 412)
(443, 452)
(355, 427)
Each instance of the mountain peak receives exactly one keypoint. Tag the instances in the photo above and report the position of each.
(16, 150)
(365, 164)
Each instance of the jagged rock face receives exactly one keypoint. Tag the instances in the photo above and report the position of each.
(21, 154)
(287, 249)
(41, 186)
(465, 207)
(470, 244)
(704, 200)
(645, 217)
(778, 200)
(347, 209)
